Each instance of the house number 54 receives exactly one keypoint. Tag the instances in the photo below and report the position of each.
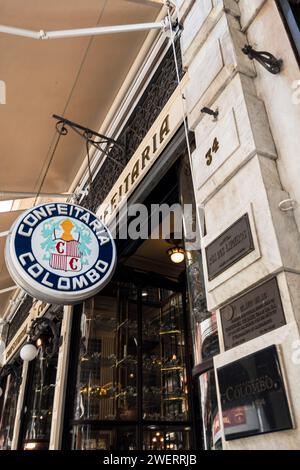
(209, 156)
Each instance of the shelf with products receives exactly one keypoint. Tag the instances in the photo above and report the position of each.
(165, 360)
(153, 375)
(126, 364)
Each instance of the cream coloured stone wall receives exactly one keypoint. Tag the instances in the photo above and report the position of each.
(246, 161)
(279, 93)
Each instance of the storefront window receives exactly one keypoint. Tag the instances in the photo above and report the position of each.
(131, 369)
(10, 392)
(164, 367)
(39, 409)
(96, 388)
(39, 395)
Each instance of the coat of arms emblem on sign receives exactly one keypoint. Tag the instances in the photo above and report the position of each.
(66, 245)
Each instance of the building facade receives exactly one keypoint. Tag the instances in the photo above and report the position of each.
(204, 354)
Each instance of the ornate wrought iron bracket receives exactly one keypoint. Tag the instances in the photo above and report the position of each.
(266, 59)
(41, 326)
(100, 142)
(10, 369)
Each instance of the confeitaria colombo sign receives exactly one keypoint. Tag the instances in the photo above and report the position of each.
(60, 253)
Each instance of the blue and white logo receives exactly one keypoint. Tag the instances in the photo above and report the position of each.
(60, 253)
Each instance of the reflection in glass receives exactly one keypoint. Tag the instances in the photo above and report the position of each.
(38, 416)
(203, 322)
(88, 437)
(209, 409)
(170, 438)
(253, 396)
(8, 412)
(126, 354)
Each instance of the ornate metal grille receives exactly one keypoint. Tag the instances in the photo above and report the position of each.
(156, 95)
(54, 311)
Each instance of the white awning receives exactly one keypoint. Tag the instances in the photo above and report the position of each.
(75, 77)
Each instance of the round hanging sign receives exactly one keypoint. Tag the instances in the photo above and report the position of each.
(60, 253)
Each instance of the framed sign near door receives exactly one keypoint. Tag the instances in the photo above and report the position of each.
(253, 396)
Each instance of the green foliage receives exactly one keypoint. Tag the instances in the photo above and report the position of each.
(48, 233)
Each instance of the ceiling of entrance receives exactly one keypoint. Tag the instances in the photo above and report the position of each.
(77, 78)
(152, 256)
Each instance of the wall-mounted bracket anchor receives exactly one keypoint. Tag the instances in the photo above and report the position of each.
(211, 112)
(177, 27)
(266, 59)
(287, 205)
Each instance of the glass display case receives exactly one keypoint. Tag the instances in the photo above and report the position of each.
(164, 365)
(131, 370)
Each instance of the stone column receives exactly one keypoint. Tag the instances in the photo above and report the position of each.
(235, 170)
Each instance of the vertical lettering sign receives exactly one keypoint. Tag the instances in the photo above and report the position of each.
(253, 396)
(232, 245)
(60, 253)
(253, 314)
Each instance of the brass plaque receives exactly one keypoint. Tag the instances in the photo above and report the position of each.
(232, 245)
(254, 314)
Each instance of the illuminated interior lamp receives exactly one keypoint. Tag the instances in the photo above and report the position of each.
(28, 352)
(176, 254)
(30, 446)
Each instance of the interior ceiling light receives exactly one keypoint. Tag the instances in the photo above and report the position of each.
(177, 252)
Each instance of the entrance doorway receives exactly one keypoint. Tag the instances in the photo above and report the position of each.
(130, 384)
(133, 375)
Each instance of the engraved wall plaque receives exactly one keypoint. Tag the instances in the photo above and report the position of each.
(253, 314)
(232, 245)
